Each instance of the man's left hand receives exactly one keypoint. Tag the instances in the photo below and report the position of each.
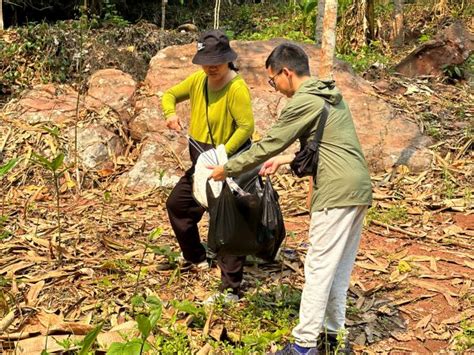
(218, 172)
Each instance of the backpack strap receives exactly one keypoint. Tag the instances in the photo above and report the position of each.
(322, 122)
(206, 95)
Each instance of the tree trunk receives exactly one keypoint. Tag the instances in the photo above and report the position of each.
(318, 35)
(163, 13)
(327, 17)
(1, 15)
(370, 14)
(328, 43)
(217, 9)
(398, 31)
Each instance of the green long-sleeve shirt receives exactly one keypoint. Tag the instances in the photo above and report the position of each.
(343, 179)
(229, 111)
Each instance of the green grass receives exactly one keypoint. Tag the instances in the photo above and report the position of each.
(397, 213)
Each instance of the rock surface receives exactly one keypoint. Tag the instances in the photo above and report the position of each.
(452, 46)
(387, 138)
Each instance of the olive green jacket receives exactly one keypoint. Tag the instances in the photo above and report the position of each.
(343, 178)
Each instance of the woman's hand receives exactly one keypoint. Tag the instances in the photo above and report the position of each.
(174, 123)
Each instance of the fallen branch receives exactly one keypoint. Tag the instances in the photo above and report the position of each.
(397, 229)
(7, 321)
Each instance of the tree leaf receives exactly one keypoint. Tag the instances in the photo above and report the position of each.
(41, 160)
(8, 166)
(90, 339)
(129, 348)
(144, 325)
(57, 162)
(155, 316)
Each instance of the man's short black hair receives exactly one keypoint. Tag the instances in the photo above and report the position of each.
(291, 56)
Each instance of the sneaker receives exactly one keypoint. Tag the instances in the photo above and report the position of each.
(185, 264)
(203, 265)
(220, 297)
(294, 349)
(330, 345)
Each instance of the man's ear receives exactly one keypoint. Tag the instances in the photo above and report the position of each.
(287, 71)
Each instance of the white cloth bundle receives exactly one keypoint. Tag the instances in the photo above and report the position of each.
(201, 175)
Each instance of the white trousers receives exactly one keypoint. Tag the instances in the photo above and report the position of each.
(334, 236)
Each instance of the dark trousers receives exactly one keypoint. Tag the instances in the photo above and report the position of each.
(184, 214)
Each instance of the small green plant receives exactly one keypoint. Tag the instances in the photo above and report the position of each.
(53, 167)
(4, 169)
(147, 320)
(424, 38)
(396, 213)
(341, 340)
(154, 234)
(365, 57)
(111, 15)
(106, 199)
(351, 309)
(453, 72)
(464, 340)
(89, 340)
(449, 187)
(434, 132)
(307, 10)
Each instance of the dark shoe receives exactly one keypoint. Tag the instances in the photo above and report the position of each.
(291, 350)
(330, 345)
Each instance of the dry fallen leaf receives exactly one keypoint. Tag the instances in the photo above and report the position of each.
(33, 293)
(422, 323)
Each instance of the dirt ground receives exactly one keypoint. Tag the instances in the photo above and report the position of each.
(408, 294)
(427, 301)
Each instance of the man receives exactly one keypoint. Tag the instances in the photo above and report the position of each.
(341, 193)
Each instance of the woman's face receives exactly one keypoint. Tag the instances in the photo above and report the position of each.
(216, 72)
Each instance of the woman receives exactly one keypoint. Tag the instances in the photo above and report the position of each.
(221, 113)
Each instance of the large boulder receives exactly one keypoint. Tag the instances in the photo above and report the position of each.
(96, 146)
(113, 89)
(451, 46)
(101, 113)
(114, 103)
(48, 103)
(162, 159)
(387, 137)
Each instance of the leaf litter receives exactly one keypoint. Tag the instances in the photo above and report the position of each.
(410, 288)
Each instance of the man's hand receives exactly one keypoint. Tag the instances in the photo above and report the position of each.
(271, 165)
(218, 172)
(174, 123)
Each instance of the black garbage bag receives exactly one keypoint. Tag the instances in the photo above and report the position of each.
(234, 222)
(272, 227)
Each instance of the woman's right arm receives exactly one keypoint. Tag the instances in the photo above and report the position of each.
(171, 97)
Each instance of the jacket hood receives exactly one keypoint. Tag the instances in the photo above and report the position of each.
(323, 88)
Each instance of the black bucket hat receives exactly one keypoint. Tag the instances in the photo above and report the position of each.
(213, 48)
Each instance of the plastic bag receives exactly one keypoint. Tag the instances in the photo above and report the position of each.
(272, 227)
(251, 224)
(233, 222)
(201, 175)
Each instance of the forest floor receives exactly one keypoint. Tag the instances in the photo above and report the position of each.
(411, 289)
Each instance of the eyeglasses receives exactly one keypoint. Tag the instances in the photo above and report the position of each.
(271, 81)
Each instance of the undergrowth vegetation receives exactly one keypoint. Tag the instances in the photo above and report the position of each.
(41, 53)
